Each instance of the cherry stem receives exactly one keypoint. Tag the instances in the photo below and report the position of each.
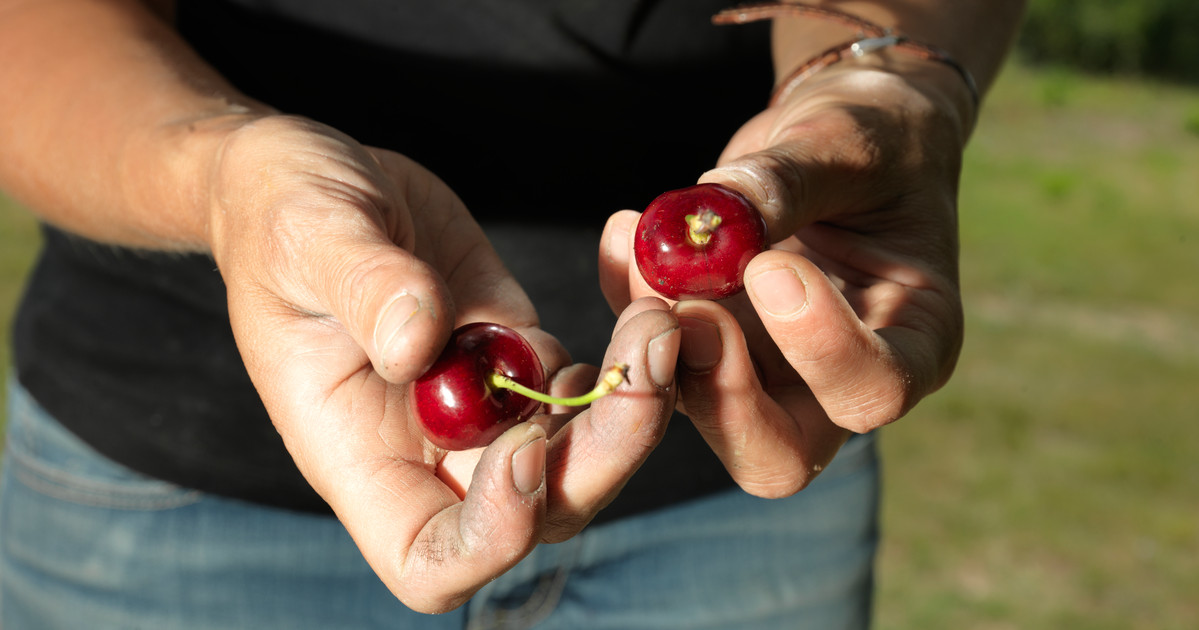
(615, 375)
(700, 226)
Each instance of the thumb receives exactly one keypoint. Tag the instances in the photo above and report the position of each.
(860, 377)
(809, 172)
(395, 306)
(432, 550)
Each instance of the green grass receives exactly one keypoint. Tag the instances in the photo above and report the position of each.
(19, 241)
(1052, 484)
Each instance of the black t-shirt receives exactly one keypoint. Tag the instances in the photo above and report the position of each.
(545, 116)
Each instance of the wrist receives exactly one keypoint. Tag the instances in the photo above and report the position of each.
(950, 88)
(883, 44)
(170, 166)
(922, 93)
(805, 46)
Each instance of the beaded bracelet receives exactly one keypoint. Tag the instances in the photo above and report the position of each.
(871, 38)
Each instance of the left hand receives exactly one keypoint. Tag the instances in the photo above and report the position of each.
(855, 313)
(346, 268)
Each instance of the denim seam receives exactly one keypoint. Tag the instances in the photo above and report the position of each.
(541, 602)
(55, 483)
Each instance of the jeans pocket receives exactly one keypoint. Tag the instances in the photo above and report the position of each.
(48, 459)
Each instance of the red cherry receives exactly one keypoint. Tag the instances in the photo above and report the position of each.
(695, 242)
(455, 404)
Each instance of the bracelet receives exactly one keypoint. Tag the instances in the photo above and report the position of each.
(871, 38)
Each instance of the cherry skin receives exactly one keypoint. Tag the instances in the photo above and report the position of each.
(455, 405)
(695, 242)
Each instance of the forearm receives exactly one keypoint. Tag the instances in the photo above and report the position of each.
(110, 124)
(976, 34)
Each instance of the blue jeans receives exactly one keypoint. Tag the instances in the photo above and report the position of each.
(87, 543)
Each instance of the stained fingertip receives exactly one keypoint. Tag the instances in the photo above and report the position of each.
(528, 463)
(496, 524)
(636, 308)
(510, 473)
(662, 357)
(707, 327)
(701, 348)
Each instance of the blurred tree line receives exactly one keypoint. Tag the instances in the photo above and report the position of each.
(1150, 37)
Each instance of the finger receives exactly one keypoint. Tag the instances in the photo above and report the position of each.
(573, 380)
(615, 258)
(394, 306)
(634, 310)
(456, 249)
(828, 164)
(595, 454)
(432, 550)
(862, 379)
(565, 380)
(772, 444)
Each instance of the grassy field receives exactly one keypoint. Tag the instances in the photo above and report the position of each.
(19, 241)
(1053, 483)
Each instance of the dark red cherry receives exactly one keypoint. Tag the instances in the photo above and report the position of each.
(456, 406)
(695, 242)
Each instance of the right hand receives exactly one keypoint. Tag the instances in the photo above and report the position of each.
(855, 313)
(347, 267)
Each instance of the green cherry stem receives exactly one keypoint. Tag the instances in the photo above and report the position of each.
(615, 375)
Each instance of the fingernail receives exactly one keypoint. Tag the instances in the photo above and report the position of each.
(779, 291)
(528, 466)
(663, 352)
(392, 321)
(701, 349)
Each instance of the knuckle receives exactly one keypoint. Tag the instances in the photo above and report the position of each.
(780, 176)
(845, 139)
(774, 180)
(819, 351)
(626, 434)
(562, 525)
(359, 280)
(421, 589)
(878, 405)
(775, 485)
(780, 477)
(421, 598)
(352, 288)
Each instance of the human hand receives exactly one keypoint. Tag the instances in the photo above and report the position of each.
(855, 313)
(347, 268)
